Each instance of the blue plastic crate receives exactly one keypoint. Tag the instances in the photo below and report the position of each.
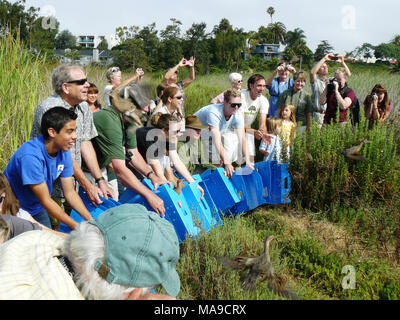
(249, 186)
(176, 210)
(280, 183)
(94, 211)
(264, 170)
(200, 208)
(221, 189)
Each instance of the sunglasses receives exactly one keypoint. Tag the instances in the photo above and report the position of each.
(1, 199)
(179, 98)
(80, 82)
(234, 105)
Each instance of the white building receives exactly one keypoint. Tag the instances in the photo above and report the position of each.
(92, 41)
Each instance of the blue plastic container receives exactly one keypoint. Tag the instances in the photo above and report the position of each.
(177, 210)
(264, 170)
(200, 208)
(221, 189)
(280, 183)
(94, 211)
(249, 186)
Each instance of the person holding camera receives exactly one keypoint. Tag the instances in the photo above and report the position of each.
(377, 106)
(337, 94)
(277, 85)
(301, 100)
(319, 80)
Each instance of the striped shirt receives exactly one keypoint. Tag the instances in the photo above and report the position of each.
(30, 269)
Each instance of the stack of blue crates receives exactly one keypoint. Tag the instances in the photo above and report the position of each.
(190, 214)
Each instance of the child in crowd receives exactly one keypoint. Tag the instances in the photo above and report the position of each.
(287, 113)
(273, 151)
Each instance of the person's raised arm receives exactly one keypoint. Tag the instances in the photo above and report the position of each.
(341, 60)
(317, 66)
(192, 73)
(268, 82)
(171, 71)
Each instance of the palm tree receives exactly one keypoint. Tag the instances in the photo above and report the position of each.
(295, 37)
(271, 12)
(278, 30)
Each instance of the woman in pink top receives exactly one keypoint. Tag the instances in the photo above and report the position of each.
(377, 105)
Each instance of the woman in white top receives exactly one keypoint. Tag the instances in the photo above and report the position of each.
(172, 101)
(114, 77)
(236, 81)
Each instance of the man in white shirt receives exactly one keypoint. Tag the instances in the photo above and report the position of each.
(226, 127)
(253, 102)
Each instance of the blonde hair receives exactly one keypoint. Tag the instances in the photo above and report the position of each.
(272, 124)
(231, 93)
(342, 71)
(292, 109)
(4, 230)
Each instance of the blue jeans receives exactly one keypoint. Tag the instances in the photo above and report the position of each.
(43, 218)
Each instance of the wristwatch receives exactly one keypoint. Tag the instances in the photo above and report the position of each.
(100, 179)
(149, 174)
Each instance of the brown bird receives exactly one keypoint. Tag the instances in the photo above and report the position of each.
(354, 152)
(259, 269)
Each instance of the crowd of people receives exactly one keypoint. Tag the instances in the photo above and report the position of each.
(76, 142)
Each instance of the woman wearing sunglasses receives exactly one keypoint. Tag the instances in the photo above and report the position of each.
(114, 77)
(236, 81)
(158, 146)
(172, 101)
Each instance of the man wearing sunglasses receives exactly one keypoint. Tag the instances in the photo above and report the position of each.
(226, 127)
(71, 89)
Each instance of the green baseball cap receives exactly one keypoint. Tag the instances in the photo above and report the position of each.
(141, 249)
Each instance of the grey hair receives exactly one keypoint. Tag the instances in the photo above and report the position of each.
(110, 73)
(61, 75)
(233, 77)
(84, 247)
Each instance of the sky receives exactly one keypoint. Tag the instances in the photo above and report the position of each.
(346, 24)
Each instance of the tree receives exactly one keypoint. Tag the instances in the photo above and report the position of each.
(171, 44)
(295, 37)
(322, 50)
(65, 39)
(396, 40)
(271, 12)
(387, 51)
(197, 45)
(15, 18)
(130, 55)
(278, 30)
(103, 45)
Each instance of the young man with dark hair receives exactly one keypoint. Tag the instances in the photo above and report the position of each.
(35, 166)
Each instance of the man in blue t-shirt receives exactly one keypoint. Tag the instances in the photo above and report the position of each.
(226, 126)
(35, 166)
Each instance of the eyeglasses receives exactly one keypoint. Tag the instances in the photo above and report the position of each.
(239, 81)
(80, 82)
(234, 105)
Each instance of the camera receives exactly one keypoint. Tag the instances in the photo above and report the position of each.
(331, 86)
(373, 95)
(335, 58)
